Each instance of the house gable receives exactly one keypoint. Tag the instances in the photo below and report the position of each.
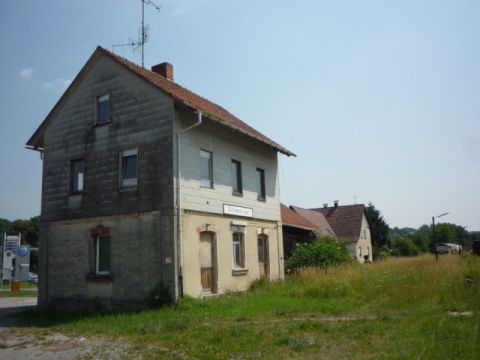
(141, 118)
(179, 93)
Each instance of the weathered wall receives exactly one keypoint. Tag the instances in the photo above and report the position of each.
(225, 146)
(138, 261)
(141, 118)
(221, 225)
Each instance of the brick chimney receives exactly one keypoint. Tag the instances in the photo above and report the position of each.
(165, 69)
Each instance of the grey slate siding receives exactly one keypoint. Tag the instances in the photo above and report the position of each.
(141, 118)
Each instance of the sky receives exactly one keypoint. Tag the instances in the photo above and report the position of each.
(380, 100)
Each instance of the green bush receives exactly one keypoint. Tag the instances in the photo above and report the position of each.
(323, 252)
(159, 296)
(404, 247)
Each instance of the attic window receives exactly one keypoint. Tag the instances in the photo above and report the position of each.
(103, 109)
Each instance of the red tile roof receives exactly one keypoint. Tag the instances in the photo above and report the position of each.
(345, 220)
(321, 224)
(291, 218)
(212, 110)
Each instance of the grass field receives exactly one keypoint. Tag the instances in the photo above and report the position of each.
(23, 285)
(406, 308)
(21, 293)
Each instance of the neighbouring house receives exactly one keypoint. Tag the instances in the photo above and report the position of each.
(350, 224)
(147, 183)
(347, 223)
(296, 229)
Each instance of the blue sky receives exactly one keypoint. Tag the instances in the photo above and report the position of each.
(379, 99)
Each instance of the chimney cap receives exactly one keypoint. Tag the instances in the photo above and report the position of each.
(325, 205)
(165, 69)
(335, 203)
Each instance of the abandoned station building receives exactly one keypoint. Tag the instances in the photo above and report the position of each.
(147, 183)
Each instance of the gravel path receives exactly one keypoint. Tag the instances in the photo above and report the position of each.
(24, 344)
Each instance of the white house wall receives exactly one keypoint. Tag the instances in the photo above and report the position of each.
(226, 145)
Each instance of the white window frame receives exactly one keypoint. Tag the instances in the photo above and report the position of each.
(207, 183)
(98, 100)
(97, 256)
(128, 182)
(239, 229)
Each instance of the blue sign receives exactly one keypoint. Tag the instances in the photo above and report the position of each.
(22, 251)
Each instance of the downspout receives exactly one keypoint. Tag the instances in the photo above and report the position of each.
(179, 203)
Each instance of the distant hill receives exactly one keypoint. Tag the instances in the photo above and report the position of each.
(396, 232)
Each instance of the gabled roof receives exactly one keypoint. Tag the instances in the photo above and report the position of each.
(321, 224)
(345, 220)
(291, 218)
(187, 97)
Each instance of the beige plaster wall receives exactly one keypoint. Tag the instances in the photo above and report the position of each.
(195, 222)
(364, 243)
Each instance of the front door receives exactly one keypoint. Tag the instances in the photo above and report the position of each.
(207, 263)
(263, 256)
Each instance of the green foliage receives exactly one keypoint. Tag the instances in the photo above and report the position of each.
(422, 238)
(4, 224)
(30, 230)
(404, 247)
(159, 296)
(385, 253)
(379, 229)
(323, 252)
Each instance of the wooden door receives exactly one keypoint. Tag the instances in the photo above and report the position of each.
(263, 260)
(207, 263)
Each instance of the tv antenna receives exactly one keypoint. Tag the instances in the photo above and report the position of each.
(144, 32)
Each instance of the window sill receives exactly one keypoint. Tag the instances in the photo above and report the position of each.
(103, 123)
(77, 193)
(106, 278)
(235, 193)
(261, 199)
(128, 187)
(239, 272)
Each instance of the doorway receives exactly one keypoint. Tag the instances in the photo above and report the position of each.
(207, 262)
(263, 261)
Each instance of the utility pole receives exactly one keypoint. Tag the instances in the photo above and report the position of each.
(435, 235)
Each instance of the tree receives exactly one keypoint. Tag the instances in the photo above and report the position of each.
(422, 238)
(404, 247)
(30, 235)
(379, 229)
(4, 224)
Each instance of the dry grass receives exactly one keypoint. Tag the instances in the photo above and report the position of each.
(395, 309)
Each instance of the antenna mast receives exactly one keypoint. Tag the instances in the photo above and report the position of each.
(143, 32)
